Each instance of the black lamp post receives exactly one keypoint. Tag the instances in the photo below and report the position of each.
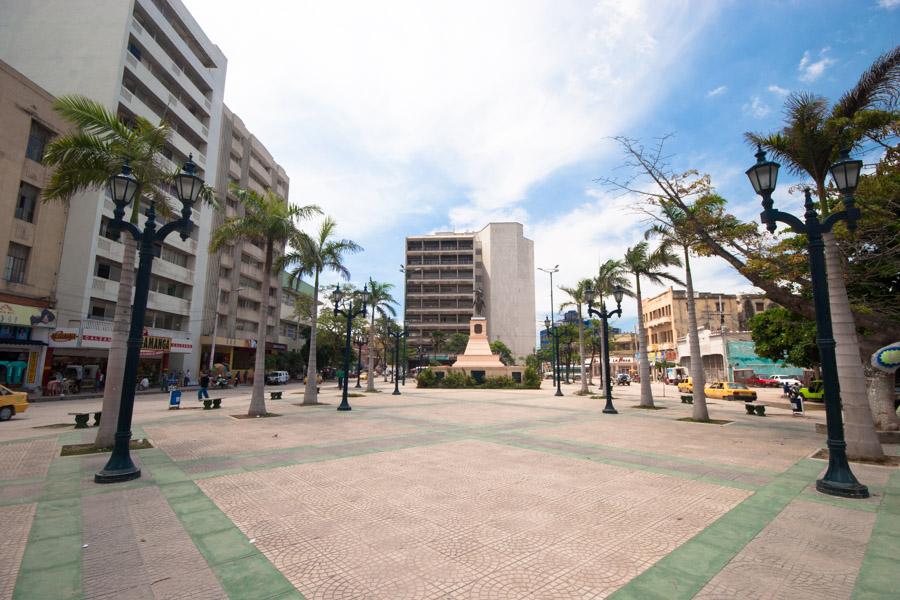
(350, 312)
(838, 479)
(604, 315)
(398, 333)
(360, 342)
(122, 188)
(553, 331)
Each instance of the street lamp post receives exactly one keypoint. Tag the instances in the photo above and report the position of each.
(554, 355)
(360, 342)
(350, 312)
(122, 188)
(552, 330)
(838, 479)
(398, 333)
(604, 315)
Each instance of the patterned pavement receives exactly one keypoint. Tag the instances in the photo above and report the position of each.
(492, 494)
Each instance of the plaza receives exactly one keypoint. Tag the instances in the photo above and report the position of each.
(442, 493)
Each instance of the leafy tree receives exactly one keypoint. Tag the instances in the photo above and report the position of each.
(578, 301)
(457, 343)
(269, 220)
(437, 340)
(312, 255)
(506, 357)
(783, 336)
(382, 303)
(84, 159)
(640, 262)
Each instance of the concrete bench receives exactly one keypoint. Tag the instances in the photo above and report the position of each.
(210, 403)
(687, 399)
(81, 419)
(275, 395)
(755, 409)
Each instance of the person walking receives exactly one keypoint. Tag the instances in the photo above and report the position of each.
(100, 379)
(187, 378)
(203, 392)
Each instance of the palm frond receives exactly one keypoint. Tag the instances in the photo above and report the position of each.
(878, 85)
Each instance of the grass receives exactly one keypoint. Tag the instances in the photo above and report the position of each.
(649, 407)
(80, 449)
(885, 461)
(246, 416)
(711, 421)
(355, 395)
(54, 426)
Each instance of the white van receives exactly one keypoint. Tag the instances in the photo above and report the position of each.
(278, 377)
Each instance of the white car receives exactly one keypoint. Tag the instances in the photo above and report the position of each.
(278, 377)
(789, 379)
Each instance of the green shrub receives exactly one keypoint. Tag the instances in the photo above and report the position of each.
(426, 378)
(532, 379)
(454, 379)
(499, 382)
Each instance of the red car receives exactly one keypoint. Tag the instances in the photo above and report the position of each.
(765, 381)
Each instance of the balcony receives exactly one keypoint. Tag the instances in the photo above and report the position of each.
(251, 271)
(234, 168)
(105, 289)
(248, 314)
(250, 294)
(170, 304)
(237, 147)
(258, 167)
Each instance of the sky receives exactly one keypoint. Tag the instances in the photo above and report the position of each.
(402, 118)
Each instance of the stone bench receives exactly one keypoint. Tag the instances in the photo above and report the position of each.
(687, 399)
(275, 395)
(210, 403)
(755, 409)
(81, 419)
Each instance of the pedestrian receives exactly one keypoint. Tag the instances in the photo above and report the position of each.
(187, 378)
(164, 381)
(145, 383)
(203, 392)
(100, 379)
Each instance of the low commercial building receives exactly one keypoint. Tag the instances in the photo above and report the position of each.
(731, 356)
(32, 233)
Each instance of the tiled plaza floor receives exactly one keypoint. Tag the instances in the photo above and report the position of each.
(490, 494)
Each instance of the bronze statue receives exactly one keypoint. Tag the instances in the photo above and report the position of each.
(478, 302)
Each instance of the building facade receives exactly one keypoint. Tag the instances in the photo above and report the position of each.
(32, 233)
(294, 329)
(147, 58)
(443, 270)
(235, 275)
(665, 317)
(732, 357)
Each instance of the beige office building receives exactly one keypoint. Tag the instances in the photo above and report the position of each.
(137, 57)
(444, 269)
(32, 233)
(665, 317)
(235, 275)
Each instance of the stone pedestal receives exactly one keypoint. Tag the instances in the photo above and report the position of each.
(478, 353)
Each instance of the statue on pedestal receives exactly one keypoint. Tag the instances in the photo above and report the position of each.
(478, 302)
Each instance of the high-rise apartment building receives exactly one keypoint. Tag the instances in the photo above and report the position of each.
(137, 57)
(443, 270)
(235, 275)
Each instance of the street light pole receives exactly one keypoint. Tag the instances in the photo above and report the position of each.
(350, 313)
(398, 334)
(838, 479)
(552, 330)
(122, 188)
(604, 315)
(554, 355)
(360, 341)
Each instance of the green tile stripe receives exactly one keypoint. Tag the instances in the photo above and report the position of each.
(878, 575)
(687, 569)
(242, 570)
(51, 563)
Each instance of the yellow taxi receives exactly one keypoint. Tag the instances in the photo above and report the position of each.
(729, 390)
(686, 386)
(12, 403)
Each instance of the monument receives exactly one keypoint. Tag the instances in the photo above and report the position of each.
(478, 353)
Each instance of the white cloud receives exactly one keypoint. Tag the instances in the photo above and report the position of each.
(756, 108)
(384, 112)
(889, 4)
(717, 91)
(780, 91)
(810, 70)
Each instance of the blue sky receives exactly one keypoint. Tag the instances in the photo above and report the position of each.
(406, 117)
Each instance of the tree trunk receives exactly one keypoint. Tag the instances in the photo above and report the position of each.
(370, 370)
(646, 391)
(881, 399)
(700, 412)
(859, 429)
(310, 394)
(258, 397)
(115, 365)
(584, 385)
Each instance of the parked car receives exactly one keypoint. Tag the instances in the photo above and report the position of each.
(12, 403)
(814, 392)
(767, 381)
(789, 379)
(729, 390)
(623, 379)
(686, 386)
(277, 377)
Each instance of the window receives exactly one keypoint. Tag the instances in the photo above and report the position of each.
(104, 229)
(25, 205)
(16, 261)
(106, 270)
(224, 273)
(759, 307)
(101, 309)
(135, 51)
(38, 139)
(176, 257)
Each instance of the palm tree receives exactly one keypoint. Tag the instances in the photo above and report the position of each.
(610, 275)
(808, 144)
(674, 227)
(269, 220)
(382, 303)
(312, 256)
(577, 295)
(649, 265)
(84, 159)
(437, 338)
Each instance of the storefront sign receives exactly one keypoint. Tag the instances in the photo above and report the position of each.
(156, 343)
(180, 346)
(64, 338)
(31, 316)
(152, 345)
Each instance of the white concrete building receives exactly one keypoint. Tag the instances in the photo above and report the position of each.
(443, 270)
(138, 57)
